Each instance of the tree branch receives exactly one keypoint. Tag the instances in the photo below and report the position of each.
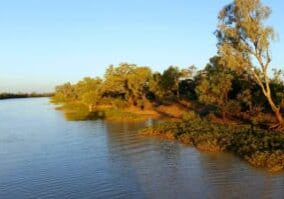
(258, 81)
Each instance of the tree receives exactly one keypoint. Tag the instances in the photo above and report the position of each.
(137, 82)
(89, 91)
(277, 84)
(91, 99)
(184, 74)
(244, 41)
(115, 80)
(127, 81)
(214, 85)
(169, 81)
(65, 93)
(155, 86)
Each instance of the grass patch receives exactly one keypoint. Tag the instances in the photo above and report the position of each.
(78, 112)
(121, 115)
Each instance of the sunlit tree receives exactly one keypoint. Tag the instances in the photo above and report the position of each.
(64, 93)
(89, 91)
(214, 85)
(127, 81)
(137, 85)
(244, 43)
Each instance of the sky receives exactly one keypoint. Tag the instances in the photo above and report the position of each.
(44, 43)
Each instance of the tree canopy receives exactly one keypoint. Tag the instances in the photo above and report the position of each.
(244, 43)
(236, 78)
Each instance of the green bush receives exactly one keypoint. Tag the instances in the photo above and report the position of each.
(261, 148)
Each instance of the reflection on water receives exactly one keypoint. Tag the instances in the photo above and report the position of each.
(44, 156)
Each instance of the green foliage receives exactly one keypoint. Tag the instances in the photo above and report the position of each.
(244, 44)
(166, 86)
(277, 87)
(190, 116)
(65, 93)
(123, 85)
(261, 148)
(169, 81)
(88, 84)
(89, 91)
(242, 34)
(91, 98)
(137, 85)
(118, 114)
(155, 86)
(75, 111)
(214, 85)
(127, 81)
(236, 83)
(115, 80)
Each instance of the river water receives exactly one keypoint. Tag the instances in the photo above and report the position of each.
(42, 155)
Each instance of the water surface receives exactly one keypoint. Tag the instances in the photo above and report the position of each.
(42, 155)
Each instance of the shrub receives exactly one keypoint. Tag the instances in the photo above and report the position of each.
(261, 148)
(189, 116)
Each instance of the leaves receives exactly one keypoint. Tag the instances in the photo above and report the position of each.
(244, 41)
(214, 85)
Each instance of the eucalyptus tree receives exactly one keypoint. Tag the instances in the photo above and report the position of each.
(244, 43)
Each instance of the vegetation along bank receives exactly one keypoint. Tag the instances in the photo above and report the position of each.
(235, 103)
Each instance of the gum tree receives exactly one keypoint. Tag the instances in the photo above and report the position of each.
(244, 43)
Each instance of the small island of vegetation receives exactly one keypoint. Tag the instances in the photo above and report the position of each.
(234, 104)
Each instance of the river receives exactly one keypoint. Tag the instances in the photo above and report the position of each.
(42, 155)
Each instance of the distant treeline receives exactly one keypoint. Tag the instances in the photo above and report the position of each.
(23, 95)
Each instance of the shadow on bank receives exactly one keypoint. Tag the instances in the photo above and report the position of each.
(80, 112)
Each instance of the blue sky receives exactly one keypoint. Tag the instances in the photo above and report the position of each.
(47, 42)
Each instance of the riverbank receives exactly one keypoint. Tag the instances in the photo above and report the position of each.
(61, 156)
(261, 148)
(77, 111)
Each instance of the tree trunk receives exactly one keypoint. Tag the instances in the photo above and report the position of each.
(267, 92)
(275, 109)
